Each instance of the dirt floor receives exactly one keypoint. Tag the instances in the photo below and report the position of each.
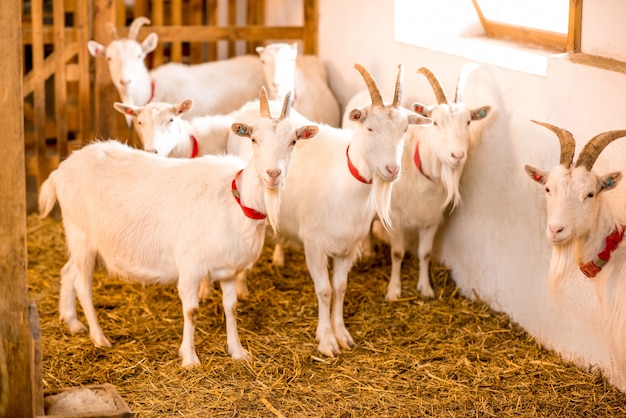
(449, 356)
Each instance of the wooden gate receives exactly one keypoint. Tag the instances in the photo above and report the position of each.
(68, 96)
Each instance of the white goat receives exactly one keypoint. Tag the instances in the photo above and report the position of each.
(217, 87)
(163, 130)
(585, 231)
(163, 220)
(336, 185)
(305, 77)
(432, 164)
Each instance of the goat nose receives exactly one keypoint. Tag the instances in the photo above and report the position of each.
(458, 155)
(556, 229)
(124, 82)
(393, 169)
(273, 173)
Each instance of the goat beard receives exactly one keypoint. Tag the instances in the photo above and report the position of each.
(271, 199)
(562, 259)
(382, 197)
(451, 177)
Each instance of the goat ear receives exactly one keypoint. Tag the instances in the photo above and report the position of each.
(358, 115)
(241, 129)
(422, 109)
(184, 106)
(150, 43)
(537, 175)
(609, 181)
(96, 49)
(480, 113)
(306, 132)
(126, 109)
(417, 119)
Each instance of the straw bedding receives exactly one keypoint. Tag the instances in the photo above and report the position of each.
(449, 356)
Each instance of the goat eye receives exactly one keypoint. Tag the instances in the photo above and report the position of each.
(435, 123)
(172, 119)
(590, 195)
(370, 129)
(468, 122)
(548, 190)
(254, 141)
(293, 142)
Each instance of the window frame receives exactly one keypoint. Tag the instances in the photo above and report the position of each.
(569, 42)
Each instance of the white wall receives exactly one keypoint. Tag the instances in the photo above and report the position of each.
(494, 242)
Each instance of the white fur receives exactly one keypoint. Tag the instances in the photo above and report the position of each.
(328, 211)
(162, 220)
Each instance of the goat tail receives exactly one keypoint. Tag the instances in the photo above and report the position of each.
(47, 197)
(382, 195)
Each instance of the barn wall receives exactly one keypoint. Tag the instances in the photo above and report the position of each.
(495, 242)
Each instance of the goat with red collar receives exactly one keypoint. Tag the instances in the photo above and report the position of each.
(585, 231)
(159, 220)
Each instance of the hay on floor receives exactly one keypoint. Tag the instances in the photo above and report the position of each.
(449, 356)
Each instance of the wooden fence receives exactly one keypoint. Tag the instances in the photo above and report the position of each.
(68, 96)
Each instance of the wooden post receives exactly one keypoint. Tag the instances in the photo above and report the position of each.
(16, 347)
(108, 122)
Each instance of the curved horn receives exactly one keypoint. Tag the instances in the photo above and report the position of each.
(136, 25)
(112, 30)
(284, 114)
(567, 141)
(397, 96)
(435, 84)
(265, 107)
(377, 100)
(594, 147)
(466, 70)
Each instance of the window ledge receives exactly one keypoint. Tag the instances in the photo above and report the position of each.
(595, 61)
(492, 51)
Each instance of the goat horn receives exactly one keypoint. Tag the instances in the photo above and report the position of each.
(265, 107)
(112, 30)
(568, 143)
(436, 85)
(136, 25)
(466, 70)
(397, 97)
(286, 106)
(377, 100)
(594, 147)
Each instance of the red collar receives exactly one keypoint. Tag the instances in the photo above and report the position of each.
(194, 146)
(354, 171)
(418, 161)
(592, 268)
(249, 212)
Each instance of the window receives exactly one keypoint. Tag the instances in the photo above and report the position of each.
(553, 24)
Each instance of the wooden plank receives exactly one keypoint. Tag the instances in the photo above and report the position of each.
(195, 33)
(106, 120)
(16, 369)
(310, 27)
(196, 17)
(256, 16)
(232, 15)
(212, 14)
(84, 78)
(48, 34)
(177, 19)
(158, 19)
(60, 81)
(575, 24)
(39, 89)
